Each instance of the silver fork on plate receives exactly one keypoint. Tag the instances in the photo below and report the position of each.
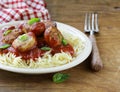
(91, 25)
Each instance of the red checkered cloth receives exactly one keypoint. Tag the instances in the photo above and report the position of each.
(22, 10)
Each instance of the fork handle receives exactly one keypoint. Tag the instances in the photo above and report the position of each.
(96, 62)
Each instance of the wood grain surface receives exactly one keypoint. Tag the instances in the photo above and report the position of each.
(82, 78)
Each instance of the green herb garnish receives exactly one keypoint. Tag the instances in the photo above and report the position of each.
(64, 42)
(7, 32)
(45, 48)
(5, 46)
(23, 37)
(33, 20)
(59, 77)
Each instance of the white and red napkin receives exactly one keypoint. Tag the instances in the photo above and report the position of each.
(22, 10)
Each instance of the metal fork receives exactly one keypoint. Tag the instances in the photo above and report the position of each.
(91, 25)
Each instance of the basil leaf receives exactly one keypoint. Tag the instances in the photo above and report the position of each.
(45, 48)
(33, 20)
(5, 46)
(59, 77)
(23, 37)
(64, 42)
(7, 32)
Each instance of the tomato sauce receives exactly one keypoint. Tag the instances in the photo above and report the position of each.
(36, 52)
(32, 54)
(65, 48)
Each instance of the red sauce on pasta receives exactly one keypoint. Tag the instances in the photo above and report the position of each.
(36, 52)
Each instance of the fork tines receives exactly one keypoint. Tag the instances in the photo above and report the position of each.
(91, 22)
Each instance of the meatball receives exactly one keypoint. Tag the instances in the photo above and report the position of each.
(38, 28)
(25, 42)
(10, 34)
(53, 36)
(49, 23)
(24, 27)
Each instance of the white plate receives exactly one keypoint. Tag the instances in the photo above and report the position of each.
(79, 59)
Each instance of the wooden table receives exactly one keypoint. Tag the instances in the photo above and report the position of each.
(82, 79)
